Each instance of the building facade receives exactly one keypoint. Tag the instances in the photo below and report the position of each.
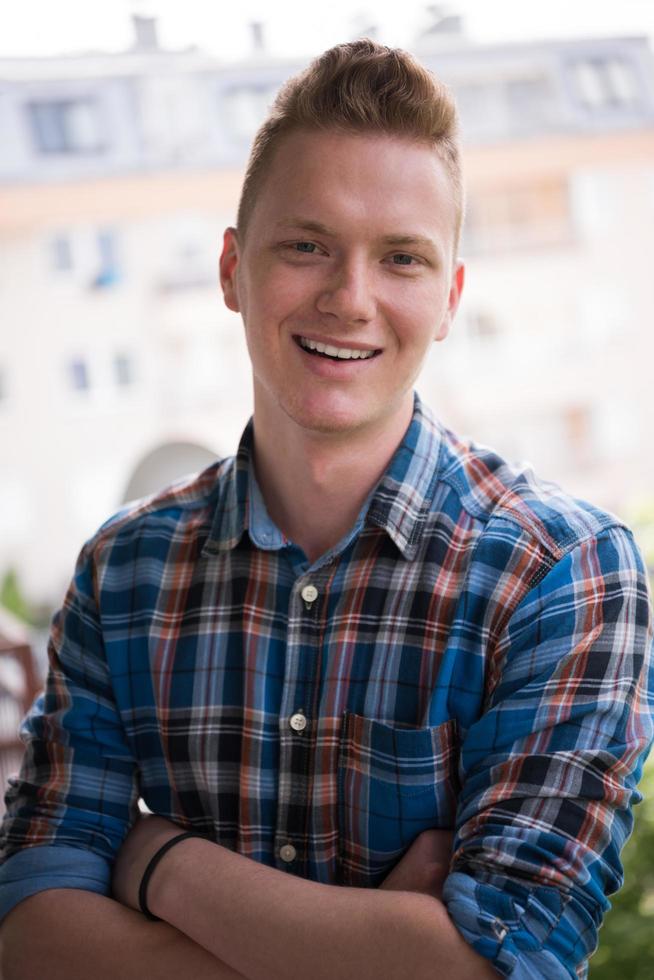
(120, 369)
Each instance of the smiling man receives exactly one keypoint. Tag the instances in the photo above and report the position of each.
(345, 273)
(385, 694)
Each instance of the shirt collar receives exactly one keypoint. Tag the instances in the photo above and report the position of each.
(232, 505)
(400, 504)
(403, 499)
(263, 531)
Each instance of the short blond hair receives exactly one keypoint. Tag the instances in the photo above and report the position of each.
(361, 87)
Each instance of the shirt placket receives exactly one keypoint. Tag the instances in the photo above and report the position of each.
(297, 724)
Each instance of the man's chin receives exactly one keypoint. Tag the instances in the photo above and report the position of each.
(326, 421)
(341, 420)
(328, 425)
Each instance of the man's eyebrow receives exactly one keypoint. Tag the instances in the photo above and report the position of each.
(320, 229)
(421, 240)
(306, 225)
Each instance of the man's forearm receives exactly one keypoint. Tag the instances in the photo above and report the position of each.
(66, 934)
(265, 922)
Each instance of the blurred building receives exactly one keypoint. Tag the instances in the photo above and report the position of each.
(119, 366)
(550, 359)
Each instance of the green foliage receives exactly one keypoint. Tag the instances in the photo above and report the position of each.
(641, 521)
(12, 598)
(626, 940)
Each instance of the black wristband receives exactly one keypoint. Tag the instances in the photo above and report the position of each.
(147, 874)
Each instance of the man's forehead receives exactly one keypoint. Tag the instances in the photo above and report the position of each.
(394, 188)
(312, 144)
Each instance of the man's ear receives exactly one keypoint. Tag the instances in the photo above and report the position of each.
(229, 261)
(456, 288)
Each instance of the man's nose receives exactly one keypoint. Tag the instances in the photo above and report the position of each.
(349, 293)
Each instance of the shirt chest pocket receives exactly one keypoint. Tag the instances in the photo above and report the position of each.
(393, 783)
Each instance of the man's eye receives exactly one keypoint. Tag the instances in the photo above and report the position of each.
(400, 258)
(307, 247)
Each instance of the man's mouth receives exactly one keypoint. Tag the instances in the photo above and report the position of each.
(335, 353)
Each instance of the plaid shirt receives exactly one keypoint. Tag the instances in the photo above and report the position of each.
(473, 655)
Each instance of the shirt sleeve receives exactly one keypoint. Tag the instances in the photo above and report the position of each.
(35, 869)
(550, 769)
(71, 805)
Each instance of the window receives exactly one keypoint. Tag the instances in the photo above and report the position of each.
(79, 375)
(605, 83)
(66, 126)
(515, 216)
(123, 371)
(109, 270)
(62, 253)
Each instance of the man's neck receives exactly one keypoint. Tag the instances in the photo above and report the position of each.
(314, 484)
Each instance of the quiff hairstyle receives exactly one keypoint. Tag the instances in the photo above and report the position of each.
(360, 87)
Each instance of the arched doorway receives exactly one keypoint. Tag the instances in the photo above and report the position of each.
(164, 465)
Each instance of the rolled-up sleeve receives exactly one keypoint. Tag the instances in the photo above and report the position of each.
(70, 807)
(36, 869)
(550, 769)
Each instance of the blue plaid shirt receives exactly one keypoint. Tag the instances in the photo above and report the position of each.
(473, 655)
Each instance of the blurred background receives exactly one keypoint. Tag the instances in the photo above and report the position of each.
(124, 131)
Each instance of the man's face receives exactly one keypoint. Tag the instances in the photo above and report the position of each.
(345, 278)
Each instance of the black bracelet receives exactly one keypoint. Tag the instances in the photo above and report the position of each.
(154, 861)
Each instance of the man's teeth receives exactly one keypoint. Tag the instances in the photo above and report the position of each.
(344, 353)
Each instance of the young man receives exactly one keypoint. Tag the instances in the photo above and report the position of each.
(398, 686)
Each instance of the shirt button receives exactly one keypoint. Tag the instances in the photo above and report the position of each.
(287, 853)
(309, 593)
(499, 929)
(298, 722)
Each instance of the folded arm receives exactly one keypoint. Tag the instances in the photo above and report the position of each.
(264, 922)
(551, 767)
(65, 934)
(68, 812)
